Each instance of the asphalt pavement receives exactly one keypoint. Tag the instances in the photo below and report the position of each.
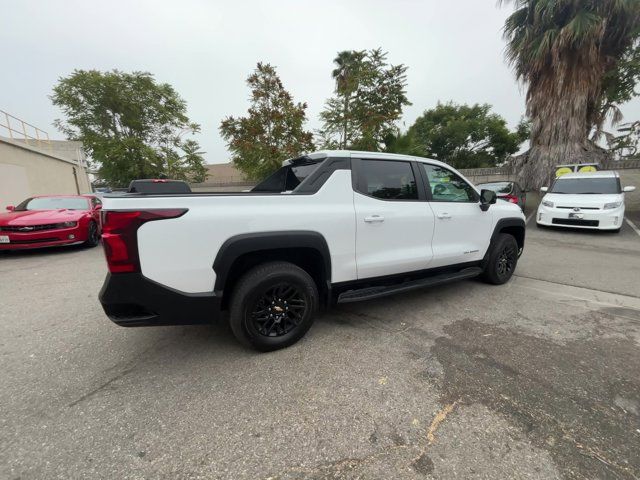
(539, 378)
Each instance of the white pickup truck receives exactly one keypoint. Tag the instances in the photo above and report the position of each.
(329, 227)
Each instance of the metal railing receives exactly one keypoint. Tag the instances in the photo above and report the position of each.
(16, 129)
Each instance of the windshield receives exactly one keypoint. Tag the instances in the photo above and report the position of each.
(498, 187)
(54, 203)
(586, 185)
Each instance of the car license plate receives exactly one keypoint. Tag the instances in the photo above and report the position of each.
(4, 239)
(576, 215)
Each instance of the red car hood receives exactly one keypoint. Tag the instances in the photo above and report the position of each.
(40, 217)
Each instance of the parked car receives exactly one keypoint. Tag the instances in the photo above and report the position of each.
(333, 227)
(509, 191)
(47, 221)
(592, 200)
(158, 186)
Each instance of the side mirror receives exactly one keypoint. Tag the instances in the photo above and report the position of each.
(487, 197)
(630, 188)
(544, 189)
(98, 207)
(11, 208)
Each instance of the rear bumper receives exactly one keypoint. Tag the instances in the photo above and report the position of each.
(131, 300)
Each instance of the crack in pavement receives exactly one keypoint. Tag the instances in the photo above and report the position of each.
(127, 367)
(100, 388)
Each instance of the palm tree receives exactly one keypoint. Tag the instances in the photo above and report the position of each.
(346, 74)
(563, 50)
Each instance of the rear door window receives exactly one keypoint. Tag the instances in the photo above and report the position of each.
(387, 180)
(286, 178)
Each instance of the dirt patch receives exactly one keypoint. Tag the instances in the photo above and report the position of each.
(565, 397)
(423, 465)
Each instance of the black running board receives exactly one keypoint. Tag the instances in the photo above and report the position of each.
(369, 293)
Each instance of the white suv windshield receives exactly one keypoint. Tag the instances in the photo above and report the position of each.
(601, 185)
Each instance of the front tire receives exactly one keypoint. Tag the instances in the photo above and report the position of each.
(93, 236)
(502, 261)
(273, 306)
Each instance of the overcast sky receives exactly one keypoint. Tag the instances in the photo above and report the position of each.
(206, 49)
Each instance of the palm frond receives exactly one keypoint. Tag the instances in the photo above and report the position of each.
(583, 27)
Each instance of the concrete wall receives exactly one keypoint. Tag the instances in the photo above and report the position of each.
(69, 149)
(26, 171)
(631, 177)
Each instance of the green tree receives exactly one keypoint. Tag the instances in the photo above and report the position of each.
(272, 131)
(130, 125)
(347, 76)
(570, 54)
(618, 87)
(627, 143)
(369, 97)
(462, 135)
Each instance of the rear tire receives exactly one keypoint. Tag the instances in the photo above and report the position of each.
(93, 237)
(273, 306)
(502, 261)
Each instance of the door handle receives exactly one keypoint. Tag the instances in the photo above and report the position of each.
(374, 219)
(443, 215)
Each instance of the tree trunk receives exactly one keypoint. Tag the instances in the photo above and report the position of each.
(559, 107)
(345, 122)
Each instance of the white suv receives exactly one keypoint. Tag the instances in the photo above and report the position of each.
(592, 200)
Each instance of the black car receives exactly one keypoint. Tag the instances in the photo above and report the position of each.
(509, 191)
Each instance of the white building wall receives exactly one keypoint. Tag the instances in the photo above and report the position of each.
(27, 171)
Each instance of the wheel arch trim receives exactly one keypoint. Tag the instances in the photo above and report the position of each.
(238, 245)
(503, 223)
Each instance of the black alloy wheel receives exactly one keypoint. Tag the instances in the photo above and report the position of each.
(279, 310)
(502, 259)
(507, 260)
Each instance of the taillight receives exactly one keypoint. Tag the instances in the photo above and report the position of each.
(119, 235)
(511, 198)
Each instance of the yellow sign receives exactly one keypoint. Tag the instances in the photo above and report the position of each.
(563, 171)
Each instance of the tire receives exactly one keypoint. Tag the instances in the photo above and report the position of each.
(272, 306)
(502, 261)
(93, 237)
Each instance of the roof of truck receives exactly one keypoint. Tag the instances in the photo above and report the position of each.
(368, 155)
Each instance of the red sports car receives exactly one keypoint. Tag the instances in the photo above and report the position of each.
(51, 220)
